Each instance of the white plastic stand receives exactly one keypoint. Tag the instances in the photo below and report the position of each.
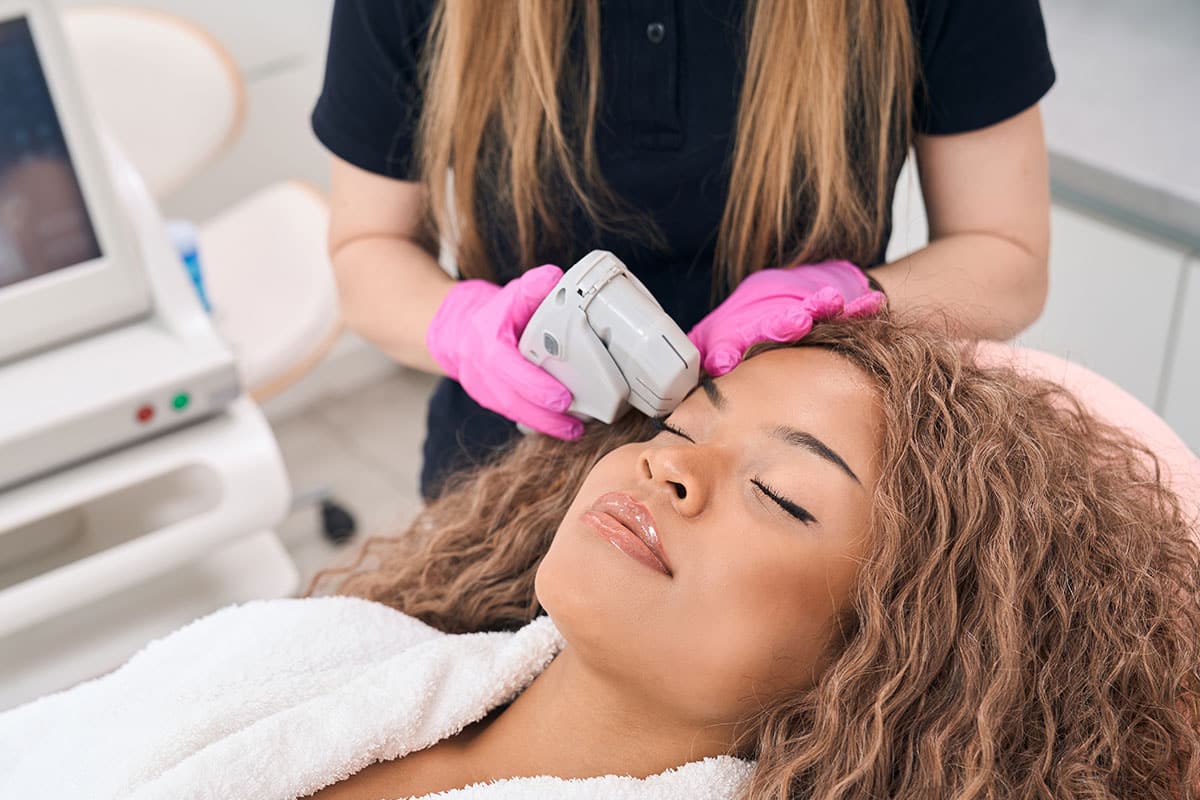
(100, 558)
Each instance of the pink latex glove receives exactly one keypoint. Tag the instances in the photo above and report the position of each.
(781, 305)
(474, 336)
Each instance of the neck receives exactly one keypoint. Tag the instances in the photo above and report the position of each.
(574, 723)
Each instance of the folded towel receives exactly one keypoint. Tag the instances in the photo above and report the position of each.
(278, 699)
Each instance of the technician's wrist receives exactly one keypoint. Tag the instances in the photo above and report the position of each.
(440, 350)
(444, 336)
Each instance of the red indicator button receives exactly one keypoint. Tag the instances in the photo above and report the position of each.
(145, 413)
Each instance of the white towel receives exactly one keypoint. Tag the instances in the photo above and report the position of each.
(278, 699)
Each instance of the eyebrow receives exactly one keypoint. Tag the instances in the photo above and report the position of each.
(711, 391)
(784, 433)
(813, 445)
(714, 394)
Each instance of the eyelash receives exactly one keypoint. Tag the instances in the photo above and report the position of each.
(791, 508)
(660, 424)
(796, 511)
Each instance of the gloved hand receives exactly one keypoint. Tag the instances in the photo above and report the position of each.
(474, 336)
(781, 305)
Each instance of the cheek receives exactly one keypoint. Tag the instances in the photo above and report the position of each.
(760, 619)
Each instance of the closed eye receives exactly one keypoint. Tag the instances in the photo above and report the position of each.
(663, 425)
(797, 511)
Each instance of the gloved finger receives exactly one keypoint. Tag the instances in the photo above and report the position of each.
(782, 319)
(744, 303)
(696, 336)
(531, 289)
(503, 400)
(825, 303)
(841, 275)
(867, 305)
(528, 381)
(491, 384)
(708, 330)
(560, 426)
(721, 359)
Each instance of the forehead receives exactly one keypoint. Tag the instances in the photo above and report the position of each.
(800, 378)
(807, 388)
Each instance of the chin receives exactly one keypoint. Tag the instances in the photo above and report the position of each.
(559, 584)
(598, 597)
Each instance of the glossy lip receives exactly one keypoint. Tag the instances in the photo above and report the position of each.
(616, 515)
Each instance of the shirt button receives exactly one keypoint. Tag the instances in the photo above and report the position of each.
(656, 32)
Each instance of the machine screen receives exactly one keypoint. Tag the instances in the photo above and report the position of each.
(44, 223)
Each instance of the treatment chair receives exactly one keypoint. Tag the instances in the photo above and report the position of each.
(1116, 406)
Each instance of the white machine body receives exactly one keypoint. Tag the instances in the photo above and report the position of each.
(73, 384)
(602, 334)
(137, 488)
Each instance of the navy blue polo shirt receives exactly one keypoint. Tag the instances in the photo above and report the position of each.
(671, 73)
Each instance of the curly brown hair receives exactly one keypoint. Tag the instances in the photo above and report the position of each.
(1026, 624)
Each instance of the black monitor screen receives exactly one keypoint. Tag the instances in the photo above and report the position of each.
(44, 224)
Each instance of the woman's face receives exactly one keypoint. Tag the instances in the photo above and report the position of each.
(759, 494)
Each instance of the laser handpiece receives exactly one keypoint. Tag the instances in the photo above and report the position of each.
(602, 334)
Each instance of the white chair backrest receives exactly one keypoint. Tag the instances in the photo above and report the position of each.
(166, 89)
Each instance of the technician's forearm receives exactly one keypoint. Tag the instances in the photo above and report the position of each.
(390, 290)
(980, 285)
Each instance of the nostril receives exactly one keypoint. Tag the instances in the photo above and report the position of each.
(680, 491)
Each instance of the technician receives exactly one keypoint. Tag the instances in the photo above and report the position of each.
(740, 157)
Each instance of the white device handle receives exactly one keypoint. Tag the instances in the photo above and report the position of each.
(603, 335)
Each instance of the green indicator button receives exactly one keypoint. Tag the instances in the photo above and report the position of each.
(180, 401)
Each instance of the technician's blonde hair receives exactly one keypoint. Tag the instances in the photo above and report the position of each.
(824, 119)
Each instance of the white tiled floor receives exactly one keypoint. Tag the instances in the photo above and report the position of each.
(364, 447)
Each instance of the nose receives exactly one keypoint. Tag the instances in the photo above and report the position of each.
(677, 473)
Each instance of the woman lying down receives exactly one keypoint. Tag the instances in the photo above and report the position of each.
(860, 567)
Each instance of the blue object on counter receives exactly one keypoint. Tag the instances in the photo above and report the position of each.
(184, 237)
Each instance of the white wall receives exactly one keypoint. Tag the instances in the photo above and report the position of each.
(1181, 398)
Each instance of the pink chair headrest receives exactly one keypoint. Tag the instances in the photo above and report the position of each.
(1114, 405)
